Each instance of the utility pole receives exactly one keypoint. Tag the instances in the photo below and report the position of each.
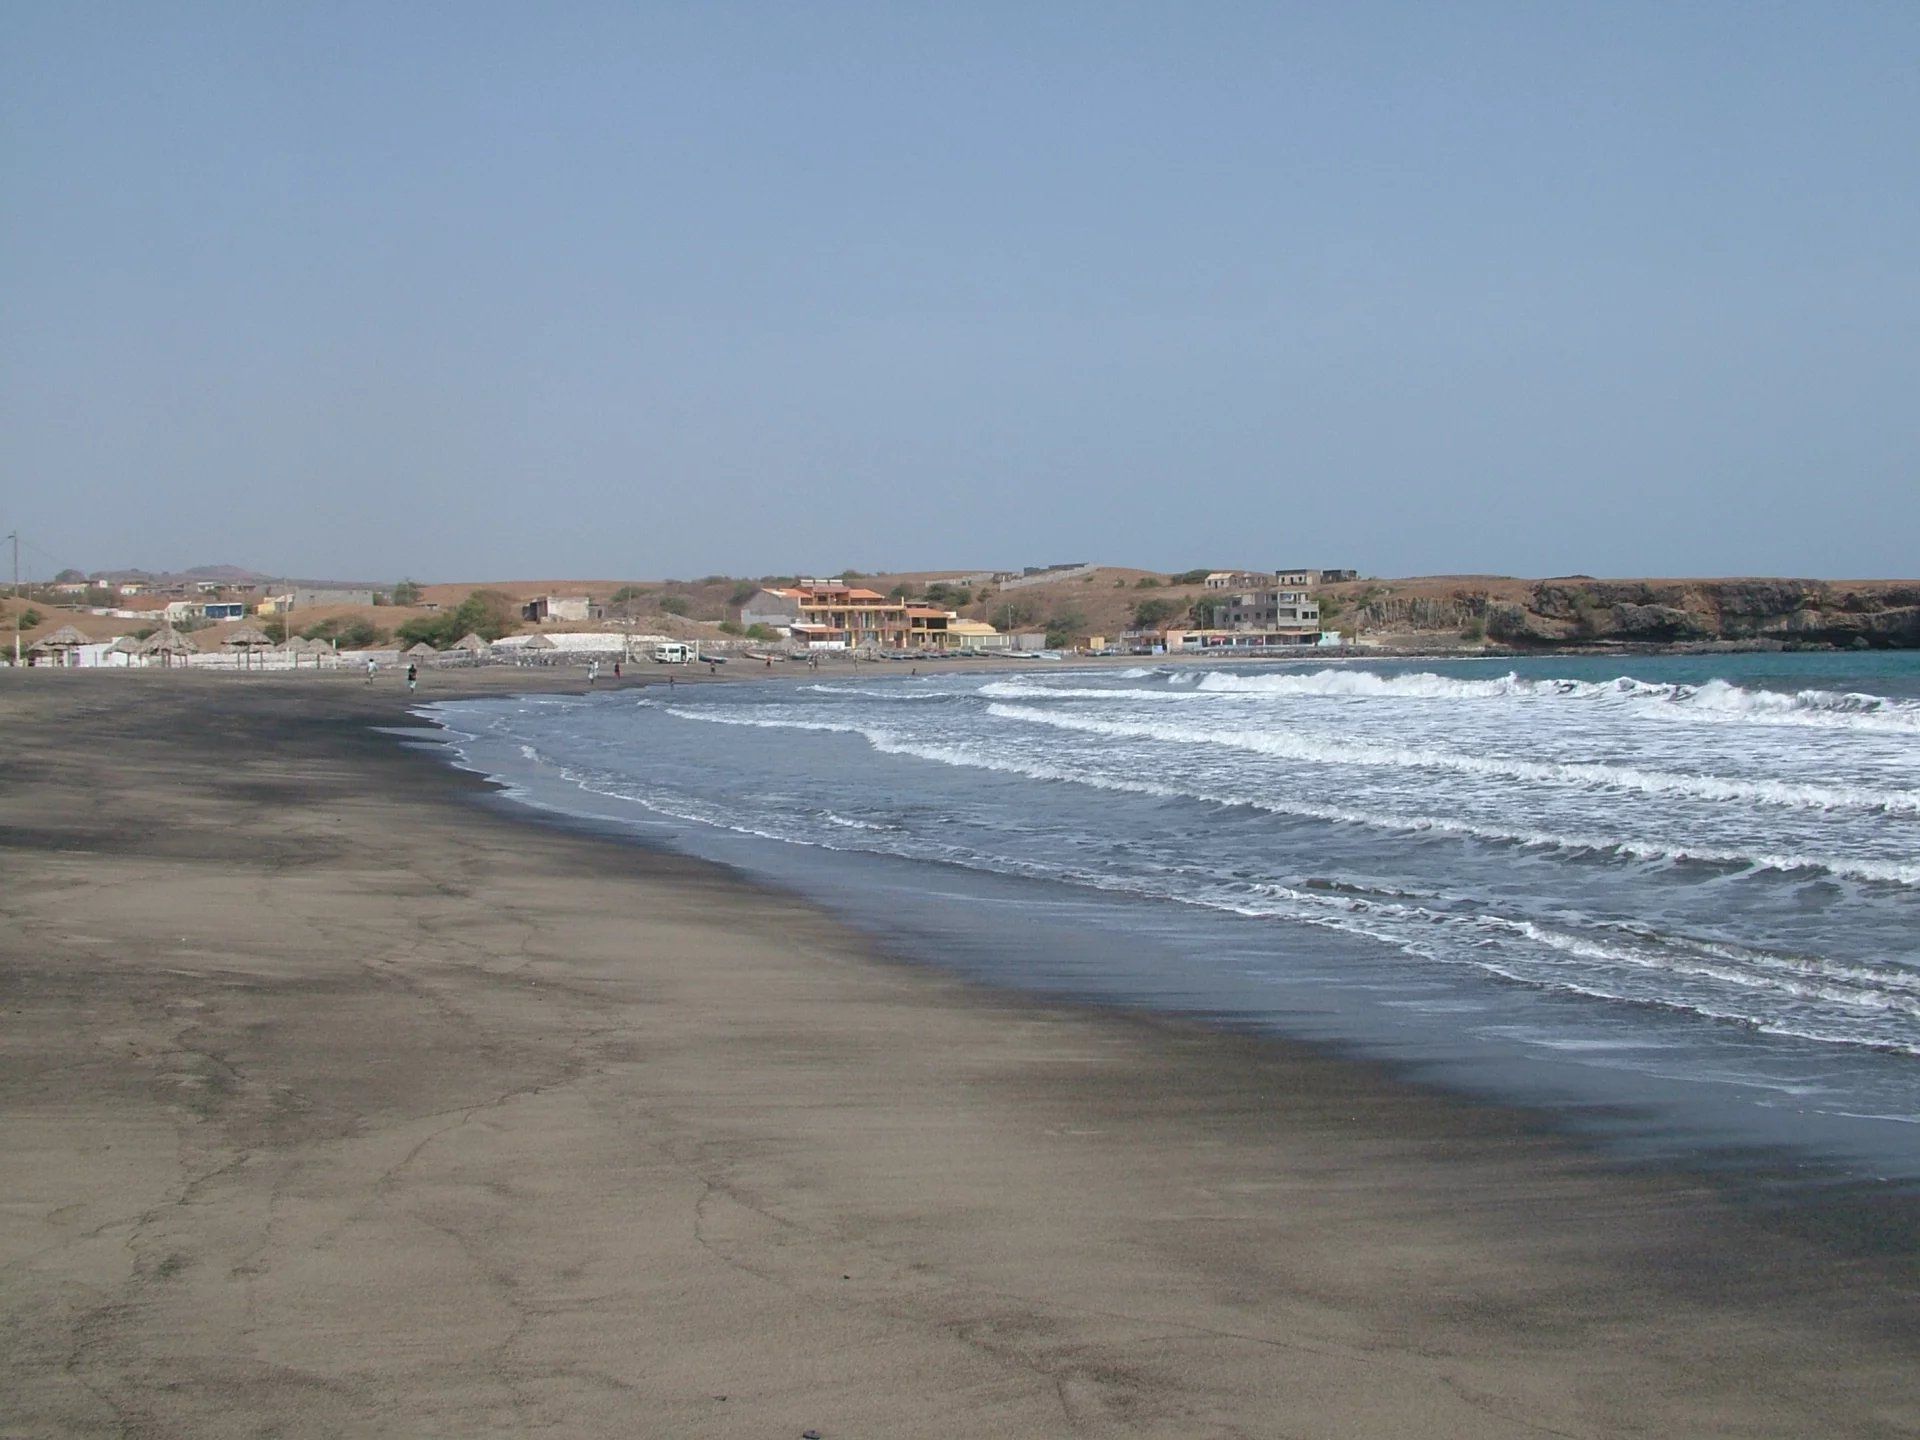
(15, 538)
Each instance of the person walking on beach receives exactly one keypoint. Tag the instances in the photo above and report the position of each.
(616, 669)
(369, 669)
(413, 676)
(593, 671)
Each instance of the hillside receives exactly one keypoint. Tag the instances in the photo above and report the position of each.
(1436, 611)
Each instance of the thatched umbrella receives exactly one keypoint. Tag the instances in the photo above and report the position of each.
(421, 649)
(249, 640)
(62, 642)
(167, 642)
(472, 644)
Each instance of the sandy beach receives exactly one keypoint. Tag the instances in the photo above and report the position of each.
(337, 1098)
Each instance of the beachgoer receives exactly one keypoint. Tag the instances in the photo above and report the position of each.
(616, 669)
(712, 669)
(369, 669)
(593, 671)
(413, 676)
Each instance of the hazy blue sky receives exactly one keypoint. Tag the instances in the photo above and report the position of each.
(470, 290)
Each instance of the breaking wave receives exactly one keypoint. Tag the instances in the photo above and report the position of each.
(1712, 700)
(1317, 750)
(1623, 848)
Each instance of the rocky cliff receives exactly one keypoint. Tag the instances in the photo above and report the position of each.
(1580, 611)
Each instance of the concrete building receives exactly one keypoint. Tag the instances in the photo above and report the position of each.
(544, 608)
(309, 599)
(1266, 610)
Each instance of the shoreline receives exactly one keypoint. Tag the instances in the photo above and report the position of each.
(1046, 1215)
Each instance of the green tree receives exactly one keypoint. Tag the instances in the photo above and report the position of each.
(434, 629)
(29, 618)
(1150, 613)
(406, 592)
(486, 613)
(1065, 626)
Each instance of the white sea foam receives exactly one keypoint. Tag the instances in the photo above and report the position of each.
(1319, 750)
(1624, 847)
(1711, 700)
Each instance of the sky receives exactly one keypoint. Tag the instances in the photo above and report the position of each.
(478, 291)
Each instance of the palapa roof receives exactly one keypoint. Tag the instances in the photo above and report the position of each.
(419, 647)
(168, 641)
(471, 641)
(247, 635)
(540, 642)
(61, 639)
(124, 645)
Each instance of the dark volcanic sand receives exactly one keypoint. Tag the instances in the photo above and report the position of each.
(335, 1103)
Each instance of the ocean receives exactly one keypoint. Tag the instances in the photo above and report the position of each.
(1672, 902)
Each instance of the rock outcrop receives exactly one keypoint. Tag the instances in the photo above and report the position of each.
(1579, 610)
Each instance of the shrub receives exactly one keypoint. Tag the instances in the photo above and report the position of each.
(29, 618)
(1146, 582)
(1190, 577)
(675, 604)
(761, 632)
(743, 592)
(731, 627)
(406, 592)
(1149, 613)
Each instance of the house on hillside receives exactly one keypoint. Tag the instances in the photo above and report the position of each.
(1236, 579)
(1297, 579)
(309, 599)
(1337, 577)
(543, 609)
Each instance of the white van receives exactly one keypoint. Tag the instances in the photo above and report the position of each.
(676, 652)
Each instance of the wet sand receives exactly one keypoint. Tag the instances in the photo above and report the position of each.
(337, 1100)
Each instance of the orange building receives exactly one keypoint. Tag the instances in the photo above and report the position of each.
(831, 613)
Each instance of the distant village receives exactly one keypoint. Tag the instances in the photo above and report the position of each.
(227, 622)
